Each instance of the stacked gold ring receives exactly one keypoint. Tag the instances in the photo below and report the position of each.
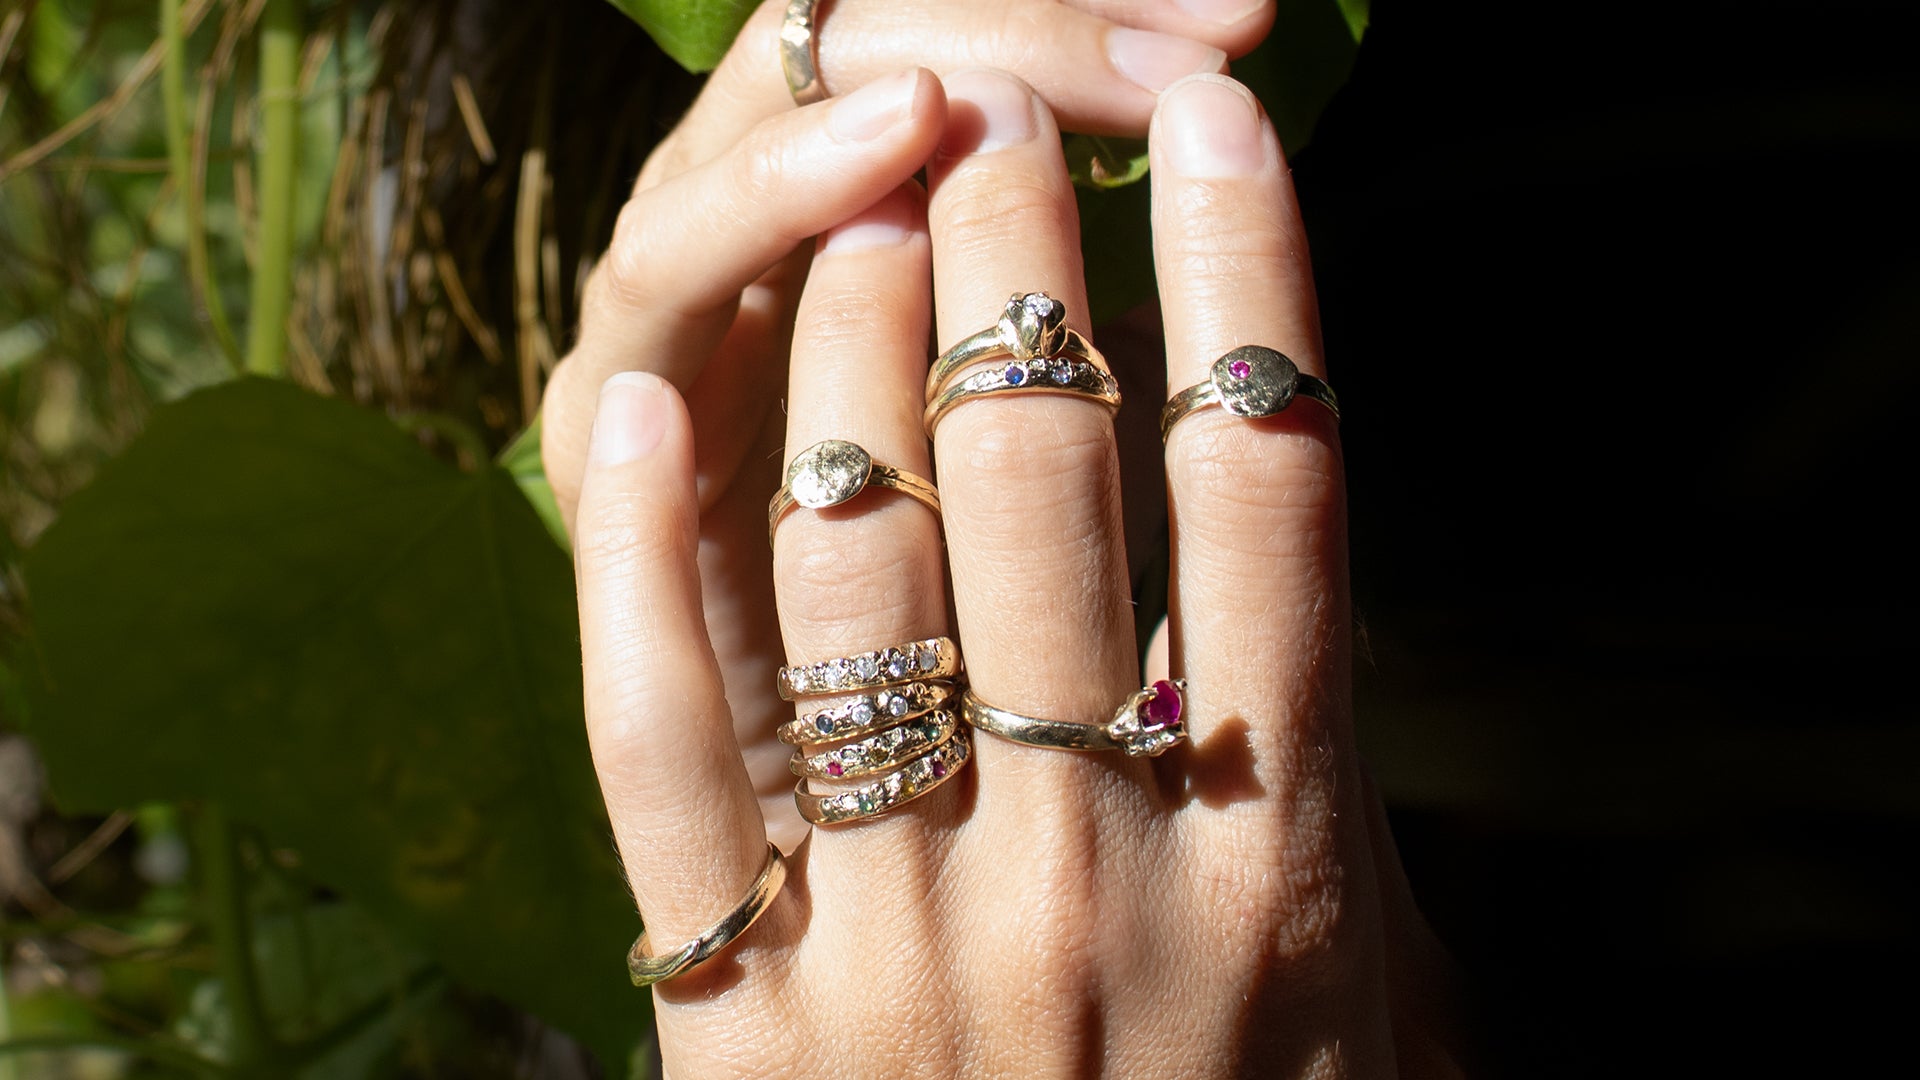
(1250, 381)
(1041, 354)
(833, 471)
(898, 731)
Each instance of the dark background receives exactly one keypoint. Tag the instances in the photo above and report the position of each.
(1623, 305)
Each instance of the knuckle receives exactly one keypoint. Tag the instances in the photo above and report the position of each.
(619, 534)
(848, 319)
(625, 272)
(844, 588)
(979, 224)
(1246, 490)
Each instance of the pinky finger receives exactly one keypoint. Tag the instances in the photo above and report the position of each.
(682, 806)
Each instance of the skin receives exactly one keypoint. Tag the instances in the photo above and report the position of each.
(1231, 908)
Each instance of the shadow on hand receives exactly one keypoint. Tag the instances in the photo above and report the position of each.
(1218, 773)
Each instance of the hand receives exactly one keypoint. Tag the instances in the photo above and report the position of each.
(700, 282)
(1233, 907)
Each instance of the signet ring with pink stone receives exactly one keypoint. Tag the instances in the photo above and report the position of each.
(1149, 723)
(1251, 381)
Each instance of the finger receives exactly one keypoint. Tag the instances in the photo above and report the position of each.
(1031, 481)
(682, 808)
(867, 574)
(1098, 73)
(1234, 26)
(663, 296)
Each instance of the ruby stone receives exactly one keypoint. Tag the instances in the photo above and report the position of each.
(1163, 707)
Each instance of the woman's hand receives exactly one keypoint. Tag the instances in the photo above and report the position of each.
(1231, 907)
(700, 282)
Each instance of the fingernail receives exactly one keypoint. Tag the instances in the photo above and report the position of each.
(1156, 61)
(887, 224)
(1210, 129)
(870, 111)
(1224, 12)
(631, 417)
(986, 111)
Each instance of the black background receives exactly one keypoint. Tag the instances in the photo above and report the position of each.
(1623, 305)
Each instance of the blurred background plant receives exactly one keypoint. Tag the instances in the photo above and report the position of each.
(282, 620)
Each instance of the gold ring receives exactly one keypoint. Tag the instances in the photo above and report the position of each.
(898, 788)
(647, 970)
(1149, 723)
(877, 753)
(1054, 375)
(833, 471)
(800, 52)
(1031, 327)
(928, 658)
(866, 714)
(1251, 381)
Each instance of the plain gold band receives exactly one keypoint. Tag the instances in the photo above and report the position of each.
(646, 970)
(800, 52)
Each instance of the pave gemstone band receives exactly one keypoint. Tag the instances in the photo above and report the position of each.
(929, 658)
(898, 788)
(1052, 375)
(800, 52)
(1251, 381)
(832, 472)
(877, 753)
(1150, 722)
(867, 713)
(646, 969)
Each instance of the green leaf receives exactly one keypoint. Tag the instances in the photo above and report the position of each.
(279, 602)
(1306, 58)
(1096, 162)
(696, 33)
(521, 459)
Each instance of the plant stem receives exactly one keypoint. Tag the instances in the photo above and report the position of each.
(149, 1049)
(192, 188)
(272, 299)
(224, 886)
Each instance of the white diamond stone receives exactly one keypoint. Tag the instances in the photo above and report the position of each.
(929, 658)
(898, 706)
(1039, 305)
(897, 667)
(861, 713)
(866, 667)
(836, 672)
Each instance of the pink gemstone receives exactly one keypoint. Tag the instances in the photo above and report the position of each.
(1239, 369)
(1163, 707)
(834, 768)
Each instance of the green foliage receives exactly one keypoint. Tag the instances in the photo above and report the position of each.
(696, 33)
(279, 602)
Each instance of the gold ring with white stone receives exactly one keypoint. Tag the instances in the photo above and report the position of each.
(896, 665)
(1031, 327)
(867, 713)
(831, 472)
(800, 52)
(1053, 375)
(889, 749)
(1251, 381)
(903, 785)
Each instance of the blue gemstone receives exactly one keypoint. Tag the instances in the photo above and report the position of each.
(824, 723)
(1015, 374)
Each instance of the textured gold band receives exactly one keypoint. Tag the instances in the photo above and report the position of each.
(832, 472)
(647, 970)
(800, 52)
(1251, 381)
(1150, 722)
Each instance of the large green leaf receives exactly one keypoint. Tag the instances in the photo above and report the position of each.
(279, 602)
(694, 32)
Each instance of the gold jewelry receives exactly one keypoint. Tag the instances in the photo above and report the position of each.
(928, 658)
(1056, 375)
(1150, 722)
(800, 52)
(877, 753)
(867, 713)
(1031, 327)
(898, 788)
(833, 471)
(1251, 381)
(647, 970)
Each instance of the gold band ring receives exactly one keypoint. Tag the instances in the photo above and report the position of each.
(877, 753)
(1251, 381)
(833, 471)
(1151, 721)
(647, 970)
(866, 714)
(1031, 327)
(928, 658)
(1055, 375)
(800, 52)
(898, 788)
